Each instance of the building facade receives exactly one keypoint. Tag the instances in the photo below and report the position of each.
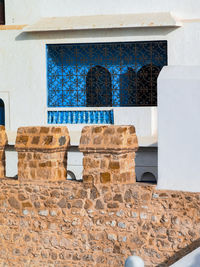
(85, 62)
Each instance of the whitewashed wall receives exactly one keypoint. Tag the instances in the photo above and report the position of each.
(179, 128)
(23, 55)
(25, 11)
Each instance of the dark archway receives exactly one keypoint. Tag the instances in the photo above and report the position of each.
(148, 177)
(128, 88)
(147, 85)
(2, 12)
(98, 87)
(2, 112)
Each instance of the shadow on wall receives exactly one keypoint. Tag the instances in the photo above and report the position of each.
(183, 252)
(70, 176)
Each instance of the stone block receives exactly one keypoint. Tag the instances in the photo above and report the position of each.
(42, 138)
(112, 138)
(109, 154)
(42, 153)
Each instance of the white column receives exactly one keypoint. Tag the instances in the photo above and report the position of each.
(179, 128)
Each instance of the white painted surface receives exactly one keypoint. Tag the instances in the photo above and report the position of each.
(74, 164)
(190, 260)
(11, 163)
(143, 118)
(26, 11)
(179, 128)
(22, 11)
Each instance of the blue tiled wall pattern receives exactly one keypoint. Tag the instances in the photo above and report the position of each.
(82, 117)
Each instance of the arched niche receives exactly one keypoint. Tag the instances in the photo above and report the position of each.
(2, 112)
(98, 87)
(148, 177)
(147, 85)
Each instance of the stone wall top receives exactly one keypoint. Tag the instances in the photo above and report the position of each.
(42, 138)
(113, 138)
(3, 137)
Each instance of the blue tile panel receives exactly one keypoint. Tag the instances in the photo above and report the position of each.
(104, 74)
(82, 117)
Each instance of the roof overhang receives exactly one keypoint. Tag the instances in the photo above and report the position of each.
(150, 20)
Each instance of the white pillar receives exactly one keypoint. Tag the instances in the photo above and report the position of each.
(179, 128)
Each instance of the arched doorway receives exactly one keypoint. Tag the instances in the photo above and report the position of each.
(98, 87)
(2, 112)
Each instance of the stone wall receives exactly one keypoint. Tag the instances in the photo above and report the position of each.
(3, 142)
(68, 223)
(42, 153)
(97, 222)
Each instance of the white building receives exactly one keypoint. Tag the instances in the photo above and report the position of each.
(56, 54)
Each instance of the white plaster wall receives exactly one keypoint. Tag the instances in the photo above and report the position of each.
(146, 126)
(22, 11)
(183, 44)
(11, 163)
(23, 55)
(21, 77)
(187, 8)
(26, 11)
(179, 128)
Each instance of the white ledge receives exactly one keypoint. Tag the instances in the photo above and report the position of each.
(162, 19)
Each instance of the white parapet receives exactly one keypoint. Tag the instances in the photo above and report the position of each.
(179, 128)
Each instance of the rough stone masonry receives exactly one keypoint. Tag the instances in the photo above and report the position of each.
(3, 143)
(109, 154)
(42, 153)
(70, 223)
